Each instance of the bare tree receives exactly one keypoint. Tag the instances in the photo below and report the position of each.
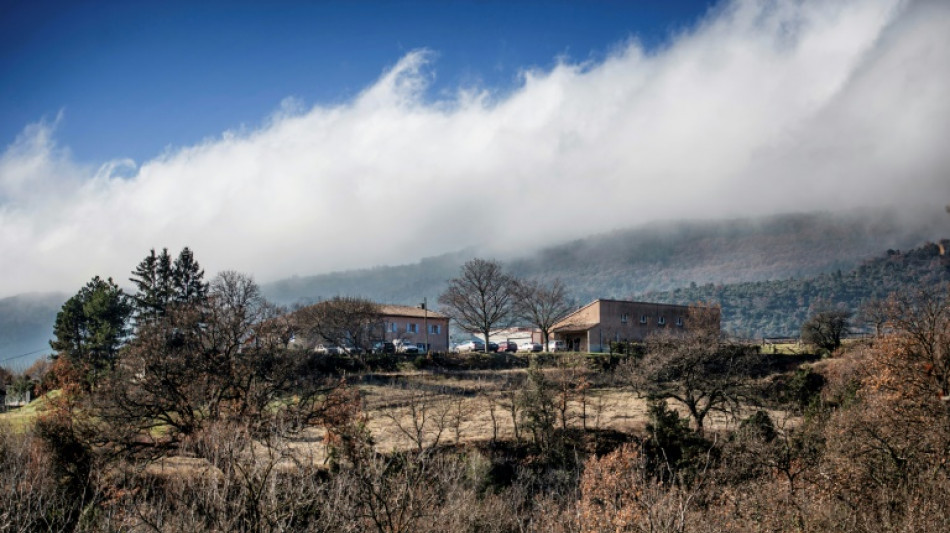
(697, 369)
(343, 321)
(875, 312)
(922, 318)
(214, 360)
(542, 304)
(426, 418)
(480, 299)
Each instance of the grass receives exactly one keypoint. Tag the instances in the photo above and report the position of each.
(21, 418)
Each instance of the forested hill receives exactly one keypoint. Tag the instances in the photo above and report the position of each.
(666, 256)
(656, 257)
(778, 308)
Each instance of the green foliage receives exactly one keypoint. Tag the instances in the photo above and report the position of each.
(92, 326)
(160, 282)
(760, 425)
(672, 449)
(537, 401)
(825, 329)
(778, 308)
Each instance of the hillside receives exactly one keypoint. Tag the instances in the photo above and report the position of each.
(651, 261)
(655, 257)
(778, 308)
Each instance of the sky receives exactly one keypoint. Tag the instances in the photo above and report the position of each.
(294, 138)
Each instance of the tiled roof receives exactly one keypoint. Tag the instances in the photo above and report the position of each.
(408, 311)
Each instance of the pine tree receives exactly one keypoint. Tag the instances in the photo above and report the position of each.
(188, 278)
(92, 326)
(153, 281)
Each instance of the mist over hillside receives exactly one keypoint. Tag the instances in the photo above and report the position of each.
(653, 259)
(26, 325)
(656, 257)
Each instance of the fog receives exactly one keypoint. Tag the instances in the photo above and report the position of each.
(762, 107)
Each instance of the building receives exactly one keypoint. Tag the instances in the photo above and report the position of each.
(593, 327)
(416, 325)
(516, 335)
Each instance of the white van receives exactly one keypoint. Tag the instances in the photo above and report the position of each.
(556, 346)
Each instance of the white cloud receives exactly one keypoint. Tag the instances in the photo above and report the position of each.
(765, 106)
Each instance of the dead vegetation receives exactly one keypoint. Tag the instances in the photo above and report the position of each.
(858, 442)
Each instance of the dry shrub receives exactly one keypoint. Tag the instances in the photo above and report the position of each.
(31, 499)
(619, 494)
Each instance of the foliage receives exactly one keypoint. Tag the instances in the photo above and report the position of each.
(224, 359)
(91, 327)
(161, 282)
(672, 451)
(825, 329)
(777, 308)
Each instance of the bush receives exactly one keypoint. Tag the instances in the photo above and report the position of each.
(672, 449)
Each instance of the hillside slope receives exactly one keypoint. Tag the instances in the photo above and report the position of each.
(652, 260)
(656, 257)
(778, 308)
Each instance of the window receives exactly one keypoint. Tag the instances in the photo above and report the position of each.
(661, 321)
(435, 328)
(679, 321)
(623, 318)
(412, 328)
(393, 328)
(644, 319)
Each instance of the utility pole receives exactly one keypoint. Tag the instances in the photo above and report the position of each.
(425, 320)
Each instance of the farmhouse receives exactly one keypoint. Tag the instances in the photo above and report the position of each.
(593, 327)
(415, 325)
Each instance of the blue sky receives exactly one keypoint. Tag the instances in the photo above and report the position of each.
(288, 139)
(132, 78)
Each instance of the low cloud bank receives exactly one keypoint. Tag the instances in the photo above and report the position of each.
(762, 107)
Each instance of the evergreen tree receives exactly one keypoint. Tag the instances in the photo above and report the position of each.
(188, 278)
(92, 326)
(153, 281)
(160, 282)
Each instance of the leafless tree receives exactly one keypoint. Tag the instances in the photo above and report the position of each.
(542, 304)
(922, 318)
(213, 360)
(343, 321)
(696, 369)
(875, 312)
(426, 418)
(480, 299)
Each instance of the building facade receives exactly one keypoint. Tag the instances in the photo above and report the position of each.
(593, 327)
(415, 325)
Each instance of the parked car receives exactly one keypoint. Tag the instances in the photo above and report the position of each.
(406, 347)
(353, 350)
(328, 349)
(492, 347)
(384, 348)
(507, 346)
(557, 346)
(530, 347)
(472, 346)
